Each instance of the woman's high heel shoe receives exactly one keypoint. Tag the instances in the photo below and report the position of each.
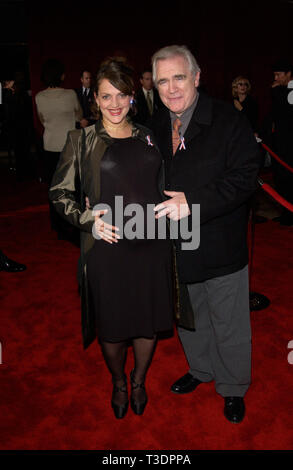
(119, 410)
(137, 407)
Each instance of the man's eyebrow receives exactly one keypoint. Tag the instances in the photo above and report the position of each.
(179, 75)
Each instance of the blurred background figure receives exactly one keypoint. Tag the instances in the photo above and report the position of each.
(147, 99)
(85, 96)
(58, 110)
(17, 124)
(282, 118)
(282, 73)
(243, 101)
(7, 116)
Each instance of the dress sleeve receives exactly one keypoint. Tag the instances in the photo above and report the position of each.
(62, 192)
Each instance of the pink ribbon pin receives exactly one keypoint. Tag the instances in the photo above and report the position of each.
(182, 146)
(149, 140)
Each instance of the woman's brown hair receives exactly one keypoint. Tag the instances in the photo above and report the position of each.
(119, 74)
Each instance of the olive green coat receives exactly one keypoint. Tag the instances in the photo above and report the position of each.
(80, 161)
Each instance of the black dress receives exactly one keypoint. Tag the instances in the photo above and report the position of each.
(131, 281)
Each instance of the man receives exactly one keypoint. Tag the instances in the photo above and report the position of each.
(147, 99)
(282, 74)
(213, 161)
(282, 117)
(86, 98)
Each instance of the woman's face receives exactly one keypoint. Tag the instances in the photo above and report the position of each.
(242, 87)
(114, 104)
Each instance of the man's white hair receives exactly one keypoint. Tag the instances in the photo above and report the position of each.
(173, 51)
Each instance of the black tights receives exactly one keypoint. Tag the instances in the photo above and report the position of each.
(115, 357)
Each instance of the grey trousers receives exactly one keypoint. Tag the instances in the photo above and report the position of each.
(220, 348)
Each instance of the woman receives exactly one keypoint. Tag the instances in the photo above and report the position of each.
(58, 110)
(126, 283)
(243, 101)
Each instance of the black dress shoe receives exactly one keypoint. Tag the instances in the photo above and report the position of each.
(9, 265)
(119, 410)
(258, 301)
(234, 409)
(185, 384)
(137, 407)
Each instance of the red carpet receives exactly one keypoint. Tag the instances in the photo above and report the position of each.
(53, 395)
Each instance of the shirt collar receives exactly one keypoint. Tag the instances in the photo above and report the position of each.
(185, 116)
(146, 91)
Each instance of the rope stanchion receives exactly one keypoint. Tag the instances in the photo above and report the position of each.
(275, 156)
(272, 192)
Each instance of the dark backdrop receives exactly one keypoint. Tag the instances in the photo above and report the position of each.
(228, 39)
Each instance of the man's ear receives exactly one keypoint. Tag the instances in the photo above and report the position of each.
(196, 80)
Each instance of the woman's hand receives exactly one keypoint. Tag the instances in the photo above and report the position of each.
(238, 105)
(105, 231)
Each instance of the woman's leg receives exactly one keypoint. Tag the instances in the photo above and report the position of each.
(115, 357)
(143, 349)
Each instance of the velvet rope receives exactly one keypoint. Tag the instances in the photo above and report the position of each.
(272, 192)
(275, 156)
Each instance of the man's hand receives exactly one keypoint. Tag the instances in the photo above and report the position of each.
(275, 83)
(175, 208)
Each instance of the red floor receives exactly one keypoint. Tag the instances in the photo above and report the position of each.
(54, 395)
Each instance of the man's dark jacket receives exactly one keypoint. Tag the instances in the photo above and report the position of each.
(217, 169)
(86, 103)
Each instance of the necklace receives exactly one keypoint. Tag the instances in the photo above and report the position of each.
(118, 127)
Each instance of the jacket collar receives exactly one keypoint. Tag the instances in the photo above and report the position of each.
(202, 116)
(138, 131)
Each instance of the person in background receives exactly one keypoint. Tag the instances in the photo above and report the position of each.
(282, 118)
(18, 124)
(243, 101)
(86, 98)
(58, 110)
(147, 100)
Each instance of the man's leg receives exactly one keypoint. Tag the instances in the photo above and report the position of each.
(230, 346)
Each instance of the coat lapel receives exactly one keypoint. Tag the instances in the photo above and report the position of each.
(202, 116)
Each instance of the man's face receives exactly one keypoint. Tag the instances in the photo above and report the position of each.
(147, 81)
(282, 78)
(176, 84)
(86, 79)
